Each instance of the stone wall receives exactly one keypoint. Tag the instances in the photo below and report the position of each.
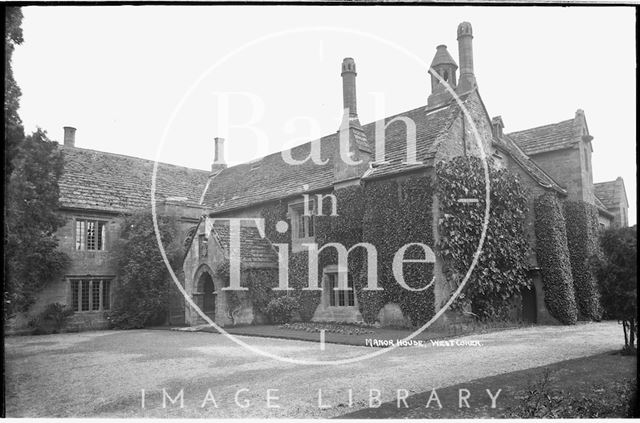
(566, 168)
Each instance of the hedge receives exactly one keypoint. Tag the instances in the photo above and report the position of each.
(581, 220)
(501, 270)
(553, 259)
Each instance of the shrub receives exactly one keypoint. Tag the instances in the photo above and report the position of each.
(280, 310)
(581, 220)
(612, 399)
(617, 274)
(52, 319)
(553, 259)
(501, 269)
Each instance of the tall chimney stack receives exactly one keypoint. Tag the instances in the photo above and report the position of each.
(69, 136)
(218, 155)
(467, 79)
(349, 87)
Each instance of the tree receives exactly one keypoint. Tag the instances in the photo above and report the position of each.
(617, 278)
(13, 130)
(33, 166)
(144, 284)
(31, 220)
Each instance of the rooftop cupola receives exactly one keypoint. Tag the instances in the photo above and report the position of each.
(467, 79)
(444, 65)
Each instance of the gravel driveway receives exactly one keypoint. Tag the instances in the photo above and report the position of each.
(102, 374)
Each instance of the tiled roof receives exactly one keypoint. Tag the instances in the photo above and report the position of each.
(607, 193)
(429, 124)
(254, 250)
(112, 182)
(272, 178)
(545, 138)
(528, 164)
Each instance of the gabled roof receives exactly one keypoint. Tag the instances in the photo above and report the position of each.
(542, 139)
(255, 251)
(96, 180)
(272, 178)
(611, 193)
(528, 165)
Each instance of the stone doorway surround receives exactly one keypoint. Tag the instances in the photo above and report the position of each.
(326, 312)
(205, 294)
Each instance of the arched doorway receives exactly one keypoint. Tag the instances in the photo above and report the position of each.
(529, 305)
(206, 292)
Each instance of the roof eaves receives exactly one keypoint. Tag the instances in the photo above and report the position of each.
(221, 209)
(603, 211)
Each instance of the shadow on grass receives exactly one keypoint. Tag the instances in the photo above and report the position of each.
(598, 386)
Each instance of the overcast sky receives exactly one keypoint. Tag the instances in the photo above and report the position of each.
(126, 76)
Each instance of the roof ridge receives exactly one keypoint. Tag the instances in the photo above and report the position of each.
(331, 135)
(541, 126)
(66, 147)
(604, 182)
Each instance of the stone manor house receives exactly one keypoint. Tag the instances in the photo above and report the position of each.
(98, 187)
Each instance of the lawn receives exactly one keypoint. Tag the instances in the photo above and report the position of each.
(103, 373)
(596, 384)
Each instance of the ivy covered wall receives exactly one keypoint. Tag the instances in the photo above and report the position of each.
(399, 212)
(272, 213)
(501, 270)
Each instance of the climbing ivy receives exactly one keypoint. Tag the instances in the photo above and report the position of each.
(298, 262)
(501, 270)
(260, 282)
(345, 229)
(398, 212)
(581, 220)
(553, 259)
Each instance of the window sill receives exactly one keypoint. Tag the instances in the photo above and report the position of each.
(341, 307)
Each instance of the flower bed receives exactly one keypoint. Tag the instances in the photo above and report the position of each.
(346, 329)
